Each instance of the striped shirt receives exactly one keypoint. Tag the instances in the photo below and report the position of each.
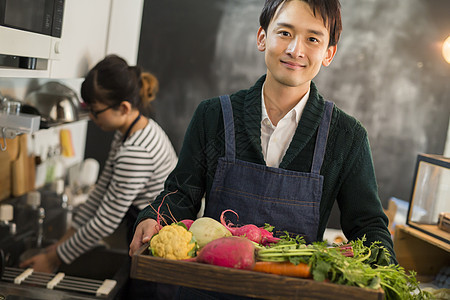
(134, 174)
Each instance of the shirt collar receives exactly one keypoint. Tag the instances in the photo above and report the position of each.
(298, 108)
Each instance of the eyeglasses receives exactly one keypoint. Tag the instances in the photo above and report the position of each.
(95, 113)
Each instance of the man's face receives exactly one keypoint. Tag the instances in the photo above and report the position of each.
(295, 45)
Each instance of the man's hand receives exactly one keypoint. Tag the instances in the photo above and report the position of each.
(144, 232)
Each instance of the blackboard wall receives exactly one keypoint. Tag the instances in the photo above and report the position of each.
(388, 72)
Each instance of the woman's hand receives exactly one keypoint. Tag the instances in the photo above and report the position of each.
(47, 262)
(144, 232)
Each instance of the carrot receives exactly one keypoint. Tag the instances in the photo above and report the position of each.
(285, 268)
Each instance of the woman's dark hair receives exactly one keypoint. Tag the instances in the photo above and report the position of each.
(112, 81)
(330, 10)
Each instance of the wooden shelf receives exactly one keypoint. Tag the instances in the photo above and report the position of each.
(420, 252)
(429, 238)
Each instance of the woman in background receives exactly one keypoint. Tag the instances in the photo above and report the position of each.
(140, 159)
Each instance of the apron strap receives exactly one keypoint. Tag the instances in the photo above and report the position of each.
(230, 148)
(322, 136)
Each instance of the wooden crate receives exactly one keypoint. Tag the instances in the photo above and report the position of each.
(240, 282)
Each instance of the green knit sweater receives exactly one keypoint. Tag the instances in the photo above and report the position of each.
(348, 170)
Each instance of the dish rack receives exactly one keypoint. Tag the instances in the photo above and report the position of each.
(58, 282)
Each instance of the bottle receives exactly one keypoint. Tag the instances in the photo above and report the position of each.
(38, 212)
(6, 216)
(63, 194)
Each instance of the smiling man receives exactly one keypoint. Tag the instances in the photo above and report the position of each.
(278, 153)
(296, 45)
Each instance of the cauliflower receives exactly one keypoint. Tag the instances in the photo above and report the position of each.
(173, 242)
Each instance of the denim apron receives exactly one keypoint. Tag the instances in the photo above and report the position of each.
(287, 200)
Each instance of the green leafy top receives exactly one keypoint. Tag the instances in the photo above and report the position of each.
(367, 267)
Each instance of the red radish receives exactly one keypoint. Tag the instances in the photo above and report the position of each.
(347, 250)
(250, 231)
(187, 222)
(231, 251)
(267, 237)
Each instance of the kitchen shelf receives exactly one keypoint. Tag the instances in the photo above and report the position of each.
(420, 252)
(23, 73)
(240, 282)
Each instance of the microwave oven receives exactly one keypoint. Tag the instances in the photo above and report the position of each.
(30, 30)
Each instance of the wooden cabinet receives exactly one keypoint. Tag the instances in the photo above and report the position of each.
(420, 252)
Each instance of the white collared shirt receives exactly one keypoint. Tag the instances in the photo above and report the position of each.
(276, 139)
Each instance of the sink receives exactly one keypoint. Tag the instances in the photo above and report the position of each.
(11, 291)
(98, 263)
(105, 261)
(101, 262)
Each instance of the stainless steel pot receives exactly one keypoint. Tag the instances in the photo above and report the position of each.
(55, 102)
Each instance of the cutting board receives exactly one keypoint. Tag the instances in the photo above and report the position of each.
(22, 169)
(6, 157)
(5, 175)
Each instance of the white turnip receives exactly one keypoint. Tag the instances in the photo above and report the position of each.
(206, 229)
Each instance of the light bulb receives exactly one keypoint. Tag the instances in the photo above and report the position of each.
(446, 50)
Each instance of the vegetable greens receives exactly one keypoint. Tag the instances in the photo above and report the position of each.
(366, 266)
